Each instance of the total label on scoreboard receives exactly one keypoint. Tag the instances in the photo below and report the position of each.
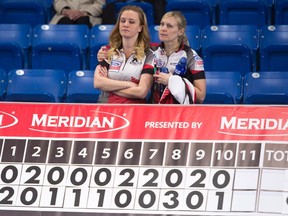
(151, 177)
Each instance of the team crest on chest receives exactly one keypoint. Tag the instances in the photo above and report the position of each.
(115, 64)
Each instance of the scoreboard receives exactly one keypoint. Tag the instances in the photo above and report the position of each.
(117, 175)
(144, 175)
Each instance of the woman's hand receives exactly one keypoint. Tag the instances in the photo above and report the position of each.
(102, 53)
(74, 14)
(162, 78)
(103, 72)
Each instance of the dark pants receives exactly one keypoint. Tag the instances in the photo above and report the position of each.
(159, 7)
(82, 20)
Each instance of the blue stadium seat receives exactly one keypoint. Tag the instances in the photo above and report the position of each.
(15, 43)
(193, 33)
(153, 32)
(48, 4)
(80, 87)
(30, 12)
(243, 12)
(281, 12)
(223, 87)
(99, 37)
(147, 8)
(60, 47)
(230, 48)
(33, 85)
(196, 12)
(274, 48)
(3, 84)
(270, 9)
(266, 87)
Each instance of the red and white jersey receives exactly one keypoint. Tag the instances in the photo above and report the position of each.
(129, 69)
(124, 69)
(194, 67)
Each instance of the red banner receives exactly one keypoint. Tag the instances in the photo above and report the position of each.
(144, 121)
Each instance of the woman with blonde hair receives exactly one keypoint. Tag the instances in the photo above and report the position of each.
(127, 73)
(188, 87)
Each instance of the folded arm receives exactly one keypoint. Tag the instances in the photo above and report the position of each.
(139, 91)
(101, 81)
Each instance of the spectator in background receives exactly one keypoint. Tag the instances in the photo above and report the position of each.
(109, 10)
(78, 12)
(159, 8)
(127, 72)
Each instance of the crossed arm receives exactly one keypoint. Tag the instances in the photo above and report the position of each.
(128, 89)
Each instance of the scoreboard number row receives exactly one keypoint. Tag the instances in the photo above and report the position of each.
(116, 176)
(75, 197)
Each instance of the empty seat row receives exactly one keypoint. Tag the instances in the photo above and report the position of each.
(47, 85)
(223, 87)
(32, 12)
(229, 87)
(74, 47)
(44, 46)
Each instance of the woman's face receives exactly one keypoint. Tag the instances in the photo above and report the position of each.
(168, 30)
(129, 24)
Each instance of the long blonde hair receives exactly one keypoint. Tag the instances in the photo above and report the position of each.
(143, 40)
(181, 23)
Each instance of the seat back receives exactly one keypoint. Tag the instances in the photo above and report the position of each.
(193, 33)
(49, 9)
(274, 48)
(60, 47)
(223, 87)
(99, 37)
(3, 83)
(230, 48)
(76, 34)
(30, 12)
(15, 44)
(266, 87)
(153, 32)
(281, 12)
(243, 12)
(36, 85)
(196, 12)
(80, 87)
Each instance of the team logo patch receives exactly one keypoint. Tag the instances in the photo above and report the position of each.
(115, 65)
(199, 63)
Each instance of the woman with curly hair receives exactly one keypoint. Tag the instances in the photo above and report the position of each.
(127, 74)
